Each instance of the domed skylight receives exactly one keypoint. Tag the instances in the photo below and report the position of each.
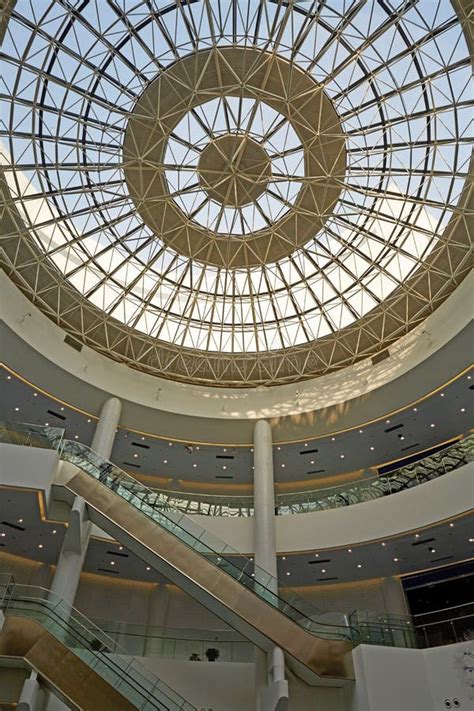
(233, 177)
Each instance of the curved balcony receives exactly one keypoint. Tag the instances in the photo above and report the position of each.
(454, 455)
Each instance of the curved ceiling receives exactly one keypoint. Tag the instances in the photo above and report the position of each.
(236, 193)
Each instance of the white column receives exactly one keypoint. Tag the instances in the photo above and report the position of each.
(76, 540)
(158, 606)
(264, 501)
(393, 596)
(71, 559)
(32, 695)
(104, 435)
(271, 688)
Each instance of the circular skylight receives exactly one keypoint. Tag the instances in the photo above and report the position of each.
(235, 178)
(270, 160)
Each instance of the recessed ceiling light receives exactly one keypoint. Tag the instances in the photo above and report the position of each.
(89, 419)
(333, 439)
(251, 449)
(46, 424)
(305, 444)
(349, 550)
(148, 567)
(197, 449)
(9, 377)
(415, 409)
(372, 449)
(20, 520)
(323, 570)
(471, 540)
(283, 557)
(396, 560)
(135, 456)
(194, 465)
(283, 466)
(469, 377)
(432, 550)
(17, 409)
(120, 548)
(62, 409)
(76, 436)
(40, 545)
(54, 530)
(112, 562)
(3, 535)
(170, 444)
(35, 394)
(342, 456)
(432, 424)
(279, 448)
(384, 544)
(224, 467)
(417, 535)
(387, 422)
(441, 394)
(312, 461)
(361, 431)
(359, 565)
(143, 439)
(451, 525)
(165, 461)
(224, 450)
(253, 575)
(316, 555)
(463, 409)
(402, 437)
(287, 573)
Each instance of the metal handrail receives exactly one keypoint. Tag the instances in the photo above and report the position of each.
(430, 467)
(85, 638)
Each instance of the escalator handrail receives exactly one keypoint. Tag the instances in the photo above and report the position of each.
(80, 632)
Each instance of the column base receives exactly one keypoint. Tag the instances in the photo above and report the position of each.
(275, 696)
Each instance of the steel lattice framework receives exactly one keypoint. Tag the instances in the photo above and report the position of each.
(236, 192)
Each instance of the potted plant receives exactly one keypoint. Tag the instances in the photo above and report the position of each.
(194, 657)
(212, 654)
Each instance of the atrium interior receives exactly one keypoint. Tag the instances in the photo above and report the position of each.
(236, 339)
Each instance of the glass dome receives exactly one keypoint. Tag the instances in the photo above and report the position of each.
(236, 192)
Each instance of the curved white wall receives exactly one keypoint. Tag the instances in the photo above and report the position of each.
(449, 496)
(46, 338)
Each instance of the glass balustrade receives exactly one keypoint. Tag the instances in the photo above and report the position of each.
(91, 644)
(384, 629)
(445, 626)
(31, 435)
(178, 643)
(431, 467)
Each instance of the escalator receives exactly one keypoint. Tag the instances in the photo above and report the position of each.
(214, 574)
(75, 659)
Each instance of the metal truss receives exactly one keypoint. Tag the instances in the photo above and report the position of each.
(236, 192)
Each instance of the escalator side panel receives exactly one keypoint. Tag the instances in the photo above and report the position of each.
(264, 624)
(61, 668)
